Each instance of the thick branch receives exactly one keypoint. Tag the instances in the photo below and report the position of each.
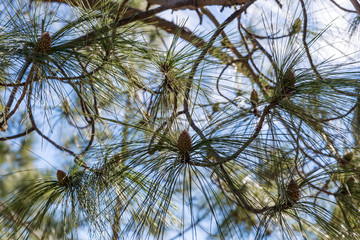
(198, 3)
(356, 5)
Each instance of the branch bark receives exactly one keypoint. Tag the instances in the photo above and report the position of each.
(198, 3)
(356, 5)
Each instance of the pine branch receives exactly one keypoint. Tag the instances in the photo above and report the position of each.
(356, 5)
(18, 135)
(197, 3)
(342, 8)
(131, 13)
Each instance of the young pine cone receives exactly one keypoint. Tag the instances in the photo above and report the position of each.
(44, 42)
(254, 98)
(296, 27)
(62, 178)
(184, 145)
(4, 126)
(348, 187)
(289, 80)
(346, 159)
(184, 142)
(293, 191)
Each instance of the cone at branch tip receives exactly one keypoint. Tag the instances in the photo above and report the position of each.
(4, 126)
(289, 77)
(44, 42)
(254, 97)
(349, 156)
(288, 82)
(62, 178)
(293, 191)
(296, 27)
(184, 143)
(346, 159)
(348, 187)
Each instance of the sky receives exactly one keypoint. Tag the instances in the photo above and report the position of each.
(49, 157)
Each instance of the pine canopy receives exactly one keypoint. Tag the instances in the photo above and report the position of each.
(179, 119)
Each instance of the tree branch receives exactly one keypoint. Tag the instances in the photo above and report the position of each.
(356, 5)
(344, 9)
(199, 3)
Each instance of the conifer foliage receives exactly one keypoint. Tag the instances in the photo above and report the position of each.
(243, 125)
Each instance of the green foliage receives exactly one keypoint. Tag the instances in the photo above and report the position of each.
(247, 130)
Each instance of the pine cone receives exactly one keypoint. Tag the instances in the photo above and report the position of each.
(348, 156)
(288, 82)
(293, 191)
(296, 27)
(346, 159)
(4, 126)
(216, 107)
(254, 98)
(66, 107)
(348, 187)
(184, 142)
(44, 42)
(62, 178)
(117, 158)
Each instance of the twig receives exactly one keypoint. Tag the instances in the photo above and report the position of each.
(306, 47)
(12, 84)
(20, 76)
(200, 58)
(28, 81)
(342, 8)
(341, 116)
(33, 123)
(18, 135)
(218, 80)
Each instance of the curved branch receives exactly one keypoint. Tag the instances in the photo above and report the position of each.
(200, 58)
(341, 116)
(218, 80)
(306, 46)
(28, 81)
(22, 72)
(13, 92)
(33, 123)
(198, 3)
(18, 135)
(356, 5)
(342, 8)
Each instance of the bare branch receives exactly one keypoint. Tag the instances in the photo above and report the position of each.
(198, 3)
(344, 9)
(356, 5)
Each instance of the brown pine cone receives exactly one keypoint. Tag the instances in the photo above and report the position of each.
(254, 98)
(62, 178)
(44, 42)
(184, 142)
(293, 191)
(346, 159)
(288, 82)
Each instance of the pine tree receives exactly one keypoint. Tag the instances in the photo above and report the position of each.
(241, 126)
